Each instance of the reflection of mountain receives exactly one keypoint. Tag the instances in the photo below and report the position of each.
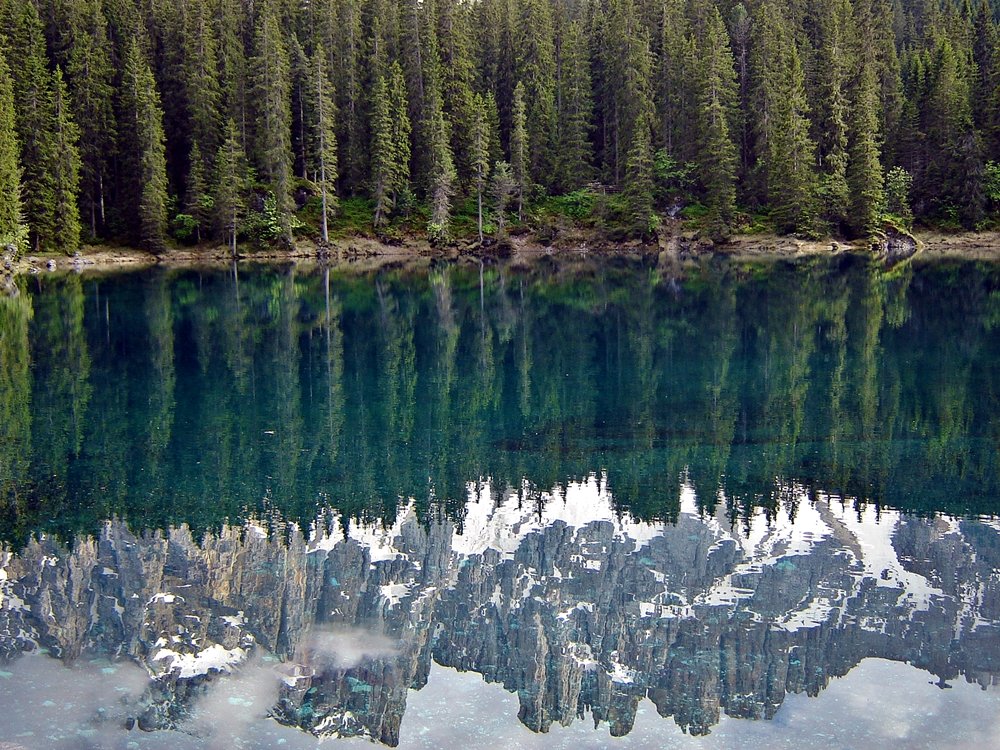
(557, 597)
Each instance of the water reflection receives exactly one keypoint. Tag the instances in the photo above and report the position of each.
(590, 484)
(574, 607)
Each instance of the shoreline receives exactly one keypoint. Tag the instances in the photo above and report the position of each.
(364, 252)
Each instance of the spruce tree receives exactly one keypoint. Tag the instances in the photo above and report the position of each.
(835, 25)
(13, 232)
(677, 94)
(717, 158)
(787, 153)
(145, 151)
(89, 78)
(638, 190)
(271, 91)
(33, 117)
(454, 35)
(864, 174)
(401, 130)
(390, 149)
(233, 67)
(480, 156)
(503, 188)
(536, 73)
(197, 201)
(64, 171)
(324, 137)
(519, 153)
(573, 153)
(202, 91)
(231, 184)
(443, 176)
(382, 152)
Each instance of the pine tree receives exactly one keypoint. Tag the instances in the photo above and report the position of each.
(457, 78)
(573, 153)
(864, 174)
(145, 151)
(271, 90)
(324, 137)
(717, 159)
(519, 154)
(639, 180)
(233, 66)
(953, 177)
(197, 201)
(202, 91)
(503, 186)
(677, 100)
(89, 78)
(383, 156)
(390, 150)
(831, 111)
(480, 156)
(64, 171)
(787, 153)
(33, 116)
(536, 72)
(231, 184)
(443, 177)
(13, 232)
(401, 130)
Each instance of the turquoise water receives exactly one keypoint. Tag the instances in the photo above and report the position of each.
(657, 502)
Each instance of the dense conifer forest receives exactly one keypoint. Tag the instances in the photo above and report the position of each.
(156, 122)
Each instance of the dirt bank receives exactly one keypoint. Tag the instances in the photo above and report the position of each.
(365, 252)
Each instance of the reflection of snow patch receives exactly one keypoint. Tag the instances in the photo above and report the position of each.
(165, 598)
(502, 526)
(379, 540)
(874, 531)
(621, 674)
(214, 658)
(394, 593)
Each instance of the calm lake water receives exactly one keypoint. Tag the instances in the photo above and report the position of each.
(567, 504)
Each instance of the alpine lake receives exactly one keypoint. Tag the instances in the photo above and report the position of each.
(567, 503)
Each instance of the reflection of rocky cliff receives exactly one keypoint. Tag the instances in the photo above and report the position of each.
(558, 598)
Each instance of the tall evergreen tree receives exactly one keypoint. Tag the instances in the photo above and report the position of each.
(536, 72)
(639, 180)
(390, 150)
(519, 149)
(573, 152)
(830, 114)
(233, 67)
(480, 156)
(197, 200)
(677, 93)
(271, 88)
(864, 173)
(33, 115)
(12, 228)
(717, 158)
(454, 35)
(64, 171)
(786, 149)
(231, 184)
(502, 188)
(324, 137)
(89, 78)
(145, 151)
(443, 177)
(202, 90)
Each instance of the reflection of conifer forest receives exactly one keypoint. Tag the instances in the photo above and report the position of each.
(276, 392)
(197, 120)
